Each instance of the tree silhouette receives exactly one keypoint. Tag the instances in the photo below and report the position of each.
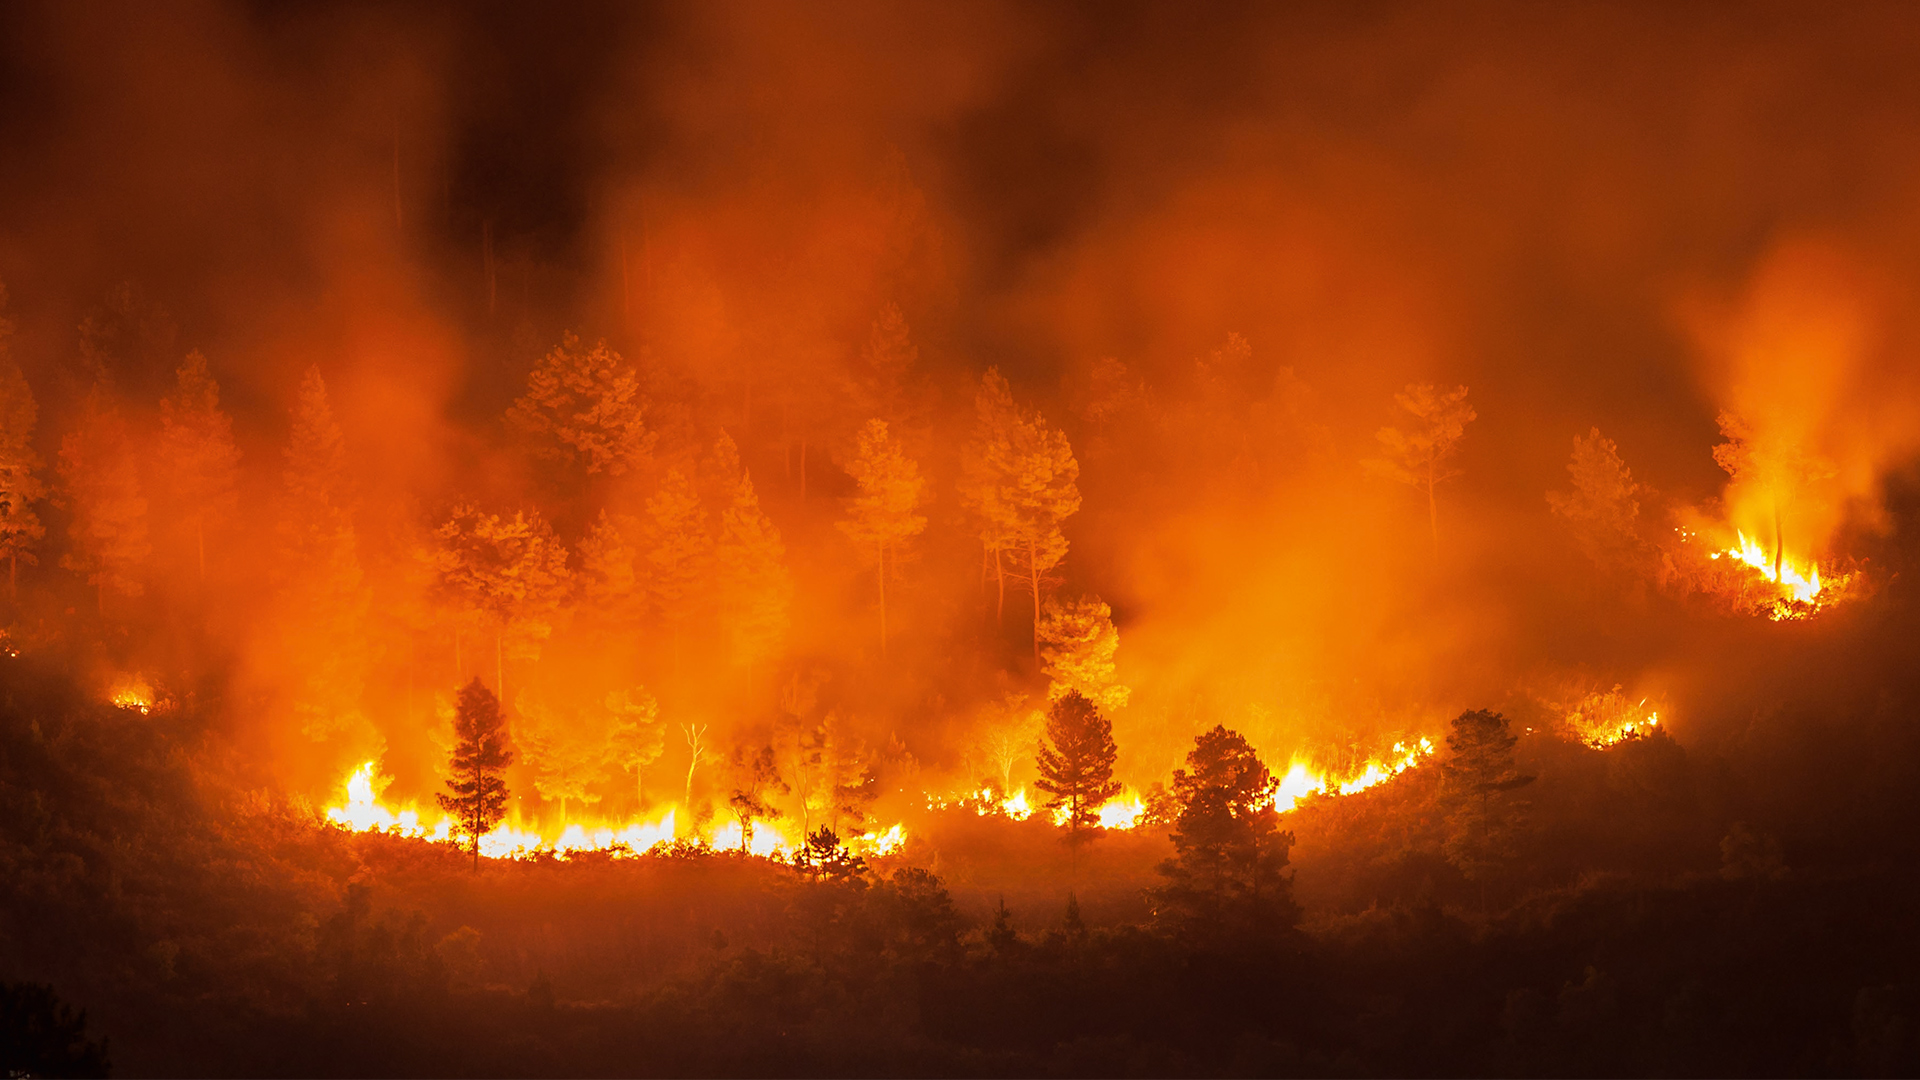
(1418, 456)
(20, 486)
(101, 471)
(1076, 762)
(1077, 643)
(585, 407)
(636, 738)
(476, 793)
(882, 518)
(1225, 877)
(1480, 779)
(756, 591)
(823, 858)
(40, 1035)
(197, 453)
(1601, 508)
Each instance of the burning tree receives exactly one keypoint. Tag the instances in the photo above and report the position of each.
(1077, 643)
(477, 791)
(1076, 762)
(880, 382)
(1480, 777)
(197, 451)
(1226, 875)
(755, 589)
(1418, 456)
(1601, 508)
(102, 474)
(20, 488)
(585, 407)
(882, 517)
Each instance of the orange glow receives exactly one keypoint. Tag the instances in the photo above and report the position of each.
(1301, 781)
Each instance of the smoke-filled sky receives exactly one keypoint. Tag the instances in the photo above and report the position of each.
(1622, 216)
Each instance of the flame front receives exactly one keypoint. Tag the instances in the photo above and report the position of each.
(1801, 584)
(1300, 781)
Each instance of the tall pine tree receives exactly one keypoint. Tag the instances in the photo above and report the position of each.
(476, 792)
(197, 454)
(1076, 762)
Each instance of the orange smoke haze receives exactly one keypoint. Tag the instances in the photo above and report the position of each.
(1207, 251)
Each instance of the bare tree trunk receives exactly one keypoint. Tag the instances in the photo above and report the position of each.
(500, 670)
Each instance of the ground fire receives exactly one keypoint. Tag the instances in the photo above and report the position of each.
(958, 539)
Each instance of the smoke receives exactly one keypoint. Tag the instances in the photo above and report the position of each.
(1625, 217)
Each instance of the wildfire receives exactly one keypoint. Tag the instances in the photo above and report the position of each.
(133, 693)
(363, 811)
(1797, 583)
(1300, 781)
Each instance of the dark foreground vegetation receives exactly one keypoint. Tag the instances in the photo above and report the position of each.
(1744, 908)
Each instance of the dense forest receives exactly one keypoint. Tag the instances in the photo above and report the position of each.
(1004, 540)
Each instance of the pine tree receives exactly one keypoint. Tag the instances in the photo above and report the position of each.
(1601, 508)
(323, 596)
(756, 591)
(1041, 493)
(882, 517)
(20, 487)
(984, 463)
(1480, 779)
(679, 551)
(1225, 878)
(585, 407)
(881, 382)
(1077, 643)
(101, 471)
(613, 580)
(197, 453)
(635, 736)
(477, 790)
(506, 576)
(566, 753)
(1076, 762)
(1418, 456)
